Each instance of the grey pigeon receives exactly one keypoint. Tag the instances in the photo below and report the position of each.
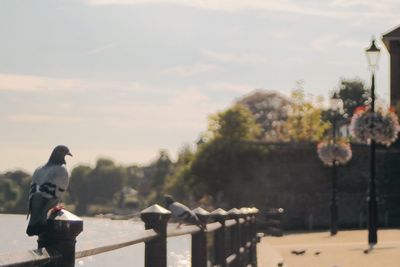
(182, 213)
(49, 183)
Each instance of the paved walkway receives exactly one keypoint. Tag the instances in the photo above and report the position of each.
(346, 249)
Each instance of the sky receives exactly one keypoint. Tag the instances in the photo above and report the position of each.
(126, 78)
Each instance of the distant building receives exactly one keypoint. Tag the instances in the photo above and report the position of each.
(391, 40)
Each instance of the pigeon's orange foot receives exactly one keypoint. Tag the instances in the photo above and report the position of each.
(57, 208)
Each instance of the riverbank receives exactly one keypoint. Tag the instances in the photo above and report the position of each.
(346, 249)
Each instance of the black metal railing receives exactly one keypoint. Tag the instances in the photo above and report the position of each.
(57, 246)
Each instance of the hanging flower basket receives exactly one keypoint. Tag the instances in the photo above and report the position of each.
(381, 126)
(339, 152)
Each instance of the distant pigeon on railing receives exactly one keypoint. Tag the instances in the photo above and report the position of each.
(182, 213)
(49, 183)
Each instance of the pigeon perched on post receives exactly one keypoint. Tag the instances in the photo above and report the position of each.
(182, 213)
(49, 183)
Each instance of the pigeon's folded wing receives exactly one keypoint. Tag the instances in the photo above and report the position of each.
(58, 175)
(55, 176)
(180, 211)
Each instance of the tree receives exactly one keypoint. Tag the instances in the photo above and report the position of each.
(222, 168)
(270, 109)
(152, 184)
(304, 122)
(79, 188)
(9, 194)
(106, 179)
(353, 94)
(235, 123)
(221, 165)
(178, 180)
(14, 191)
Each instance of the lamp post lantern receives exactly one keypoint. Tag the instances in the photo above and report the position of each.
(373, 53)
(336, 106)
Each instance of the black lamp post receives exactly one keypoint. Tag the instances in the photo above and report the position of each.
(336, 107)
(373, 53)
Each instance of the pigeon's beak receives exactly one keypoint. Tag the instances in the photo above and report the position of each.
(69, 154)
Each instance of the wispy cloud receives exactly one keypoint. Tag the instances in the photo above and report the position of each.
(324, 42)
(100, 49)
(190, 70)
(19, 82)
(334, 9)
(369, 4)
(351, 44)
(229, 87)
(43, 118)
(327, 42)
(233, 58)
(43, 84)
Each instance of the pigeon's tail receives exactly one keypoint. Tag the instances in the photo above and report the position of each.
(38, 208)
(202, 226)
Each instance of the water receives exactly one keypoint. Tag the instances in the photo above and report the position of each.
(12, 232)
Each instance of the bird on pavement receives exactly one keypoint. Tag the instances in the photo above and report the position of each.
(182, 213)
(49, 183)
(298, 252)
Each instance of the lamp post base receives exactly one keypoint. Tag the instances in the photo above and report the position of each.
(372, 222)
(334, 216)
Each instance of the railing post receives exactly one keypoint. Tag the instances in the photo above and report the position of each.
(245, 238)
(235, 236)
(60, 236)
(199, 241)
(219, 215)
(253, 236)
(156, 218)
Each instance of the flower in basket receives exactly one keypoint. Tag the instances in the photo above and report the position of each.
(338, 152)
(381, 126)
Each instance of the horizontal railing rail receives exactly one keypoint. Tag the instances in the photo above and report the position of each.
(57, 245)
(27, 258)
(90, 248)
(184, 230)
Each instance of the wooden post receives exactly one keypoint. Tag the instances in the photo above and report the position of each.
(245, 238)
(219, 215)
(60, 236)
(235, 236)
(156, 218)
(253, 236)
(199, 241)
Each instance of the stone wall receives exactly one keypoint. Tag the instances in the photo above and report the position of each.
(293, 177)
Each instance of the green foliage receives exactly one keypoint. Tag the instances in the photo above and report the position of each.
(79, 188)
(14, 190)
(156, 174)
(9, 192)
(270, 109)
(227, 155)
(161, 168)
(235, 123)
(304, 122)
(353, 93)
(95, 186)
(223, 162)
(106, 179)
(176, 183)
